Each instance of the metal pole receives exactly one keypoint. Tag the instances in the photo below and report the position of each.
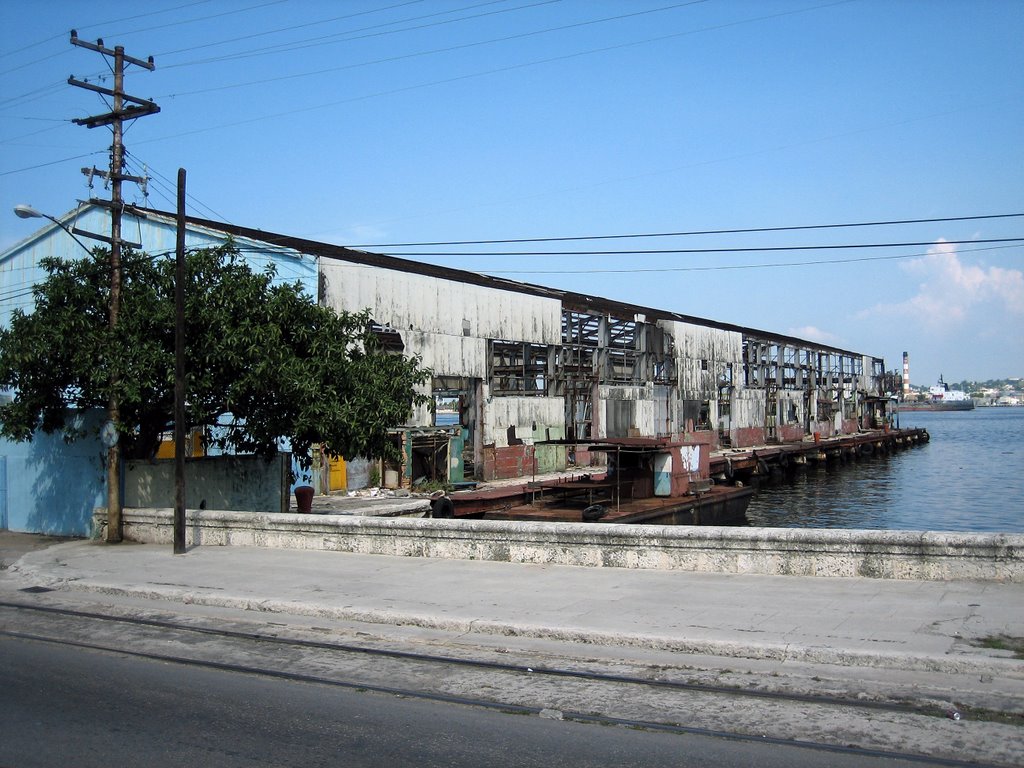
(179, 373)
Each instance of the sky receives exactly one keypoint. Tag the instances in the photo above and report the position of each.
(371, 123)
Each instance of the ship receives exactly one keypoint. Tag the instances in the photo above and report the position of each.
(939, 398)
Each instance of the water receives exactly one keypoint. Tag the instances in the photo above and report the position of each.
(970, 477)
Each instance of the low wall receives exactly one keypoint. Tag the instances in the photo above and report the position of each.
(772, 551)
(212, 482)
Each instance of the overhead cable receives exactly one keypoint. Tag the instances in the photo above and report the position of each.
(753, 249)
(744, 230)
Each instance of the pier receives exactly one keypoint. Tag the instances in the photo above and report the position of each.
(682, 481)
(745, 465)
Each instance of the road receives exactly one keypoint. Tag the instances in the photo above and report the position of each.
(90, 678)
(71, 706)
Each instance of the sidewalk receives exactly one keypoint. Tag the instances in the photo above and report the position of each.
(904, 625)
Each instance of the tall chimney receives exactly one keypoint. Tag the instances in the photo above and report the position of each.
(906, 375)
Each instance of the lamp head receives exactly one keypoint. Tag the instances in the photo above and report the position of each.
(23, 211)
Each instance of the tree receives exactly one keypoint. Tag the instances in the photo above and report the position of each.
(265, 362)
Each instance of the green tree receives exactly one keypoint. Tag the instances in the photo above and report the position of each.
(265, 362)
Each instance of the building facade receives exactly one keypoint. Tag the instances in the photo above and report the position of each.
(535, 373)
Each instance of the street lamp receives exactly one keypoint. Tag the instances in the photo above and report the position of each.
(109, 432)
(23, 211)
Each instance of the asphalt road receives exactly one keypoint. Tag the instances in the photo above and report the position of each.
(63, 705)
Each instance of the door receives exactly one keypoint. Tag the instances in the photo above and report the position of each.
(663, 474)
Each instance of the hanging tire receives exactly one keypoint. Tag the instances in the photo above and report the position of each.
(442, 508)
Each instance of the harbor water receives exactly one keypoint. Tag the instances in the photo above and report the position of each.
(969, 477)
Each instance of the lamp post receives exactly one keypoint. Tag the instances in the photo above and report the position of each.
(23, 211)
(109, 432)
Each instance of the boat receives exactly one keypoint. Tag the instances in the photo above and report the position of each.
(648, 480)
(940, 398)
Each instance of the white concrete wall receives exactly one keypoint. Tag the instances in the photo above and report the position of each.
(709, 549)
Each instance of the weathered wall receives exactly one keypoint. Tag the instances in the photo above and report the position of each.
(790, 425)
(534, 419)
(213, 482)
(696, 344)
(49, 486)
(526, 414)
(748, 427)
(641, 408)
(774, 551)
(445, 307)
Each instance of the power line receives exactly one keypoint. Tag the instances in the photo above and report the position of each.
(431, 52)
(724, 267)
(663, 251)
(171, 185)
(510, 68)
(189, 21)
(745, 230)
(350, 35)
(52, 162)
(289, 29)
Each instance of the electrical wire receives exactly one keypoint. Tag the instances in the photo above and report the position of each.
(725, 267)
(431, 52)
(745, 230)
(181, 22)
(350, 35)
(52, 162)
(289, 29)
(168, 184)
(665, 251)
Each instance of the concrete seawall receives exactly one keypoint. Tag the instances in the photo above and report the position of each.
(918, 555)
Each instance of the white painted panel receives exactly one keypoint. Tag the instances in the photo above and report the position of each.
(448, 355)
(406, 301)
(523, 413)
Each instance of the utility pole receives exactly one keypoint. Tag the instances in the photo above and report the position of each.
(115, 118)
(179, 373)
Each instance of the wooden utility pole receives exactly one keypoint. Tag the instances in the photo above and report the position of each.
(179, 373)
(115, 118)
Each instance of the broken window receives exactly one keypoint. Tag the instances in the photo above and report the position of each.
(518, 368)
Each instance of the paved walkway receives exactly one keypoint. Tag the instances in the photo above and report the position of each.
(901, 625)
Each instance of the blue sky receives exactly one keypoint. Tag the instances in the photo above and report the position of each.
(369, 122)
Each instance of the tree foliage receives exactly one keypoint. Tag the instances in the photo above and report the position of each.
(265, 362)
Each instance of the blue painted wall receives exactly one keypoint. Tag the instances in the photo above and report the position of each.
(52, 487)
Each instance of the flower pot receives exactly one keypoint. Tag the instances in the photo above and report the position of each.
(304, 498)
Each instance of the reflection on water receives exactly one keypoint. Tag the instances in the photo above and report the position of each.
(970, 477)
